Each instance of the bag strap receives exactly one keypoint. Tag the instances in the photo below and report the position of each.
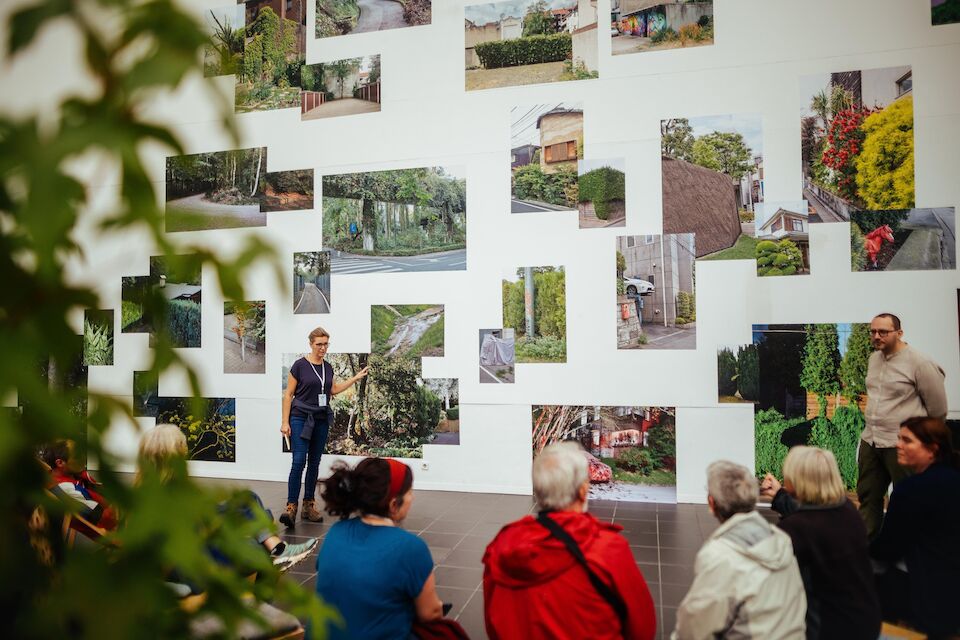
(610, 595)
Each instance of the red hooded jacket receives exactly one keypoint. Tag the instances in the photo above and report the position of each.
(534, 588)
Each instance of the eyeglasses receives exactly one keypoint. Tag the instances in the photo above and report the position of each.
(322, 345)
(883, 333)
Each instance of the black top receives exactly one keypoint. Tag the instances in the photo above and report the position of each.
(830, 542)
(308, 387)
(922, 527)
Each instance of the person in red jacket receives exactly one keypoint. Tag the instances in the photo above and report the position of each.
(535, 587)
(75, 483)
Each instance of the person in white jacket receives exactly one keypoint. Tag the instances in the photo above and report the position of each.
(746, 580)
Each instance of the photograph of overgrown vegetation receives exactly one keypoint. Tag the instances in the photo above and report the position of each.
(311, 282)
(273, 54)
(340, 88)
(406, 330)
(546, 140)
(601, 192)
(223, 56)
(245, 337)
(98, 337)
(342, 17)
(208, 423)
(903, 240)
(167, 301)
(944, 11)
(631, 451)
(654, 25)
(535, 307)
(286, 190)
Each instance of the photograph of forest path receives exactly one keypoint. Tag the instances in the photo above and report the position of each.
(208, 423)
(535, 307)
(903, 240)
(219, 190)
(812, 390)
(407, 330)
(631, 451)
(340, 88)
(397, 220)
(343, 17)
(311, 282)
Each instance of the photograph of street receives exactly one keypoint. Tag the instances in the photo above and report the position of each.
(546, 140)
(497, 356)
(944, 11)
(399, 220)
(712, 179)
(535, 307)
(340, 88)
(172, 290)
(208, 423)
(903, 240)
(520, 42)
(244, 337)
(782, 238)
(98, 337)
(856, 141)
(656, 25)
(656, 297)
(311, 282)
(223, 56)
(342, 17)
(407, 330)
(601, 192)
(273, 54)
(631, 451)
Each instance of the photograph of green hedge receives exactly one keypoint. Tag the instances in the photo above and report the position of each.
(520, 51)
(602, 187)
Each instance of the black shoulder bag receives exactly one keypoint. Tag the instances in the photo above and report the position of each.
(612, 597)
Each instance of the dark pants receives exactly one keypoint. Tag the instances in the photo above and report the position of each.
(306, 453)
(877, 469)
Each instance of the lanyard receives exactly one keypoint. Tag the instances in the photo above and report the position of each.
(323, 381)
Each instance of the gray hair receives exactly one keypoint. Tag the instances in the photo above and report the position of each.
(733, 489)
(558, 473)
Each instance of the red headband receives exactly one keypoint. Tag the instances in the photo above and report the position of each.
(398, 473)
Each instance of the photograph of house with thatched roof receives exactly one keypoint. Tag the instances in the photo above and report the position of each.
(700, 201)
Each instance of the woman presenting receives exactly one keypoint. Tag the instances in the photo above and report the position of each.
(306, 421)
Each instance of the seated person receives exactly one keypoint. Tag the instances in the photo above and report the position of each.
(746, 583)
(830, 544)
(379, 576)
(533, 585)
(74, 482)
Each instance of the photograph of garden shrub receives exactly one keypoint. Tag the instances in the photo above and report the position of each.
(167, 301)
(778, 258)
(340, 88)
(903, 240)
(274, 52)
(856, 141)
(535, 307)
(632, 451)
(311, 282)
(245, 337)
(546, 140)
(654, 26)
(601, 192)
(98, 337)
(944, 11)
(738, 374)
(223, 56)
(208, 423)
(781, 242)
(408, 330)
(343, 17)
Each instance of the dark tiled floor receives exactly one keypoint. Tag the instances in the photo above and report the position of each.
(458, 526)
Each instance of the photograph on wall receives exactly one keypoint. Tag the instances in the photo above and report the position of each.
(245, 337)
(944, 11)
(535, 307)
(448, 390)
(656, 297)
(656, 25)
(286, 191)
(218, 190)
(98, 337)
(631, 451)
(812, 390)
(274, 53)
(223, 55)
(406, 330)
(146, 394)
(521, 42)
(738, 374)
(399, 220)
(75, 376)
(856, 141)
(208, 423)
(601, 193)
(343, 17)
(782, 235)
(903, 240)
(173, 289)
(311, 282)
(546, 140)
(712, 180)
(497, 355)
(340, 88)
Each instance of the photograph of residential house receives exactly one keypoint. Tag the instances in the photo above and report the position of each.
(546, 141)
(340, 88)
(97, 337)
(342, 17)
(146, 394)
(783, 238)
(601, 191)
(273, 54)
(856, 141)
(497, 355)
(535, 307)
(521, 42)
(944, 11)
(631, 451)
(208, 423)
(903, 240)
(738, 374)
(311, 282)
(286, 191)
(654, 25)
(399, 220)
(407, 330)
(656, 300)
(245, 337)
(712, 178)
(227, 28)
(171, 291)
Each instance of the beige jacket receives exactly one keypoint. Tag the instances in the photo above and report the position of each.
(901, 386)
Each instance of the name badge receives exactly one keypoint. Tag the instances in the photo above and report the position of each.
(322, 400)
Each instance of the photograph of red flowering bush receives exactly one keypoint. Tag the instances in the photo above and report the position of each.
(856, 141)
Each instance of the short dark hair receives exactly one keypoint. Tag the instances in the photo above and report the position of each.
(934, 431)
(894, 319)
(58, 450)
(364, 489)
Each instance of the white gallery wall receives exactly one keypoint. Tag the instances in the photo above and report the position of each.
(427, 119)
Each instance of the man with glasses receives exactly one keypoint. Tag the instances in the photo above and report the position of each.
(902, 383)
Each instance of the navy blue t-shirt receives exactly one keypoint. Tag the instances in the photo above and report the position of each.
(308, 377)
(372, 575)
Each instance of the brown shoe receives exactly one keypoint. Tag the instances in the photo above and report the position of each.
(289, 517)
(310, 511)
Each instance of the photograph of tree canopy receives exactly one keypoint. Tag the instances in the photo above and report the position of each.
(311, 282)
(535, 307)
(406, 330)
(98, 337)
(903, 240)
(166, 303)
(273, 54)
(342, 17)
(396, 220)
(340, 88)
(631, 451)
(223, 56)
(245, 337)
(856, 141)
(546, 140)
(208, 423)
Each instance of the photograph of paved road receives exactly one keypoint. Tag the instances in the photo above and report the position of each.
(311, 282)
(348, 263)
(342, 17)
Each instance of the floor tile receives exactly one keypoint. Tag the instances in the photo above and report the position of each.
(676, 574)
(464, 558)
(460, 577)
(439, 554)
(667, 621)
(455, 596)
(672, 594)
(646, 555)
(450, 526)
(438, 539)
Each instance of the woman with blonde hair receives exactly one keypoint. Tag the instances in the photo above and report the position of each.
(830, 543)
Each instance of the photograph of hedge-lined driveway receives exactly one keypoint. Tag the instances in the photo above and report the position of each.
(601, 187)
(529, 42)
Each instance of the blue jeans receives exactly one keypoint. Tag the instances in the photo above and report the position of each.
(306, 453)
